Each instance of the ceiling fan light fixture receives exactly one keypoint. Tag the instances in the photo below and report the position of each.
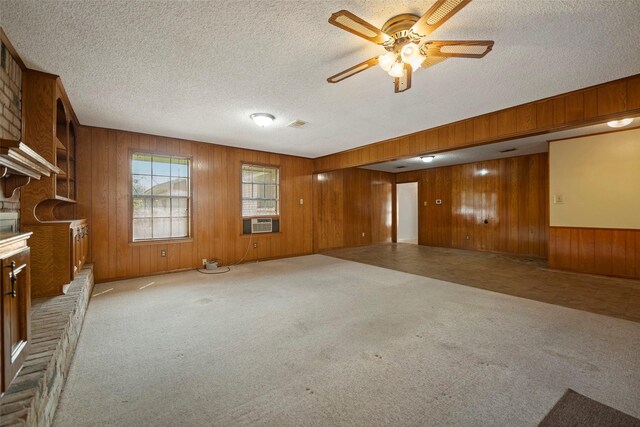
(416, 64)
(386, 61)
(262, 119)
(397, 70)
(409, 52)
(619, 123)
(404, 37)
(427, 159)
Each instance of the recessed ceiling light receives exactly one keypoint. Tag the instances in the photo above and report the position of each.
(619, 123)
(427, 159)
(262, 119)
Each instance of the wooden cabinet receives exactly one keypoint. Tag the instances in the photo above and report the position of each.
(48, 207)
(15, 305)
(59, 249)
(79, 245)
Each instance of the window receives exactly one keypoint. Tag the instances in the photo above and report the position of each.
(161, 196)
(260, 190)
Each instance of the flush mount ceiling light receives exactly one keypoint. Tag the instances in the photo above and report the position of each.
(619, 123)
(427, 159)
(405, 39)
(262, 119)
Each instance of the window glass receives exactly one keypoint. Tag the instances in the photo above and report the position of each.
(161, 196)
(260, 190)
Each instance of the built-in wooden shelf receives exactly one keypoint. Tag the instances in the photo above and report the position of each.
(65, 199)
(19, 164)
(48, 206)
(62, 154)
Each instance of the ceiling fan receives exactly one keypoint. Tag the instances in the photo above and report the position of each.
(404, 38)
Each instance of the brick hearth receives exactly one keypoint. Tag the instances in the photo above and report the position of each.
(32, 398)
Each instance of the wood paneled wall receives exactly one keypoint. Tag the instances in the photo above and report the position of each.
(104, 193)
(348, 203)
(596, 104)
(611, 252)
(511, 195)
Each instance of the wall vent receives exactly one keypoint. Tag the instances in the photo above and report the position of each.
(297, 124)
(508, 150)
(261, 225)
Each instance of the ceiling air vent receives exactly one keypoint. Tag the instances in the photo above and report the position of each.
(508, 150)
(297, 124)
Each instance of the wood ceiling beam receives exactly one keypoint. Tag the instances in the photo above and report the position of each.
(596, 104)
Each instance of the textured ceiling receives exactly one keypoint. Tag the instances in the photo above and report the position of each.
(197, 69)
(523, 146)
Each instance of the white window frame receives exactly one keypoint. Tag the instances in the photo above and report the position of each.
(254, 186)
(169, 197)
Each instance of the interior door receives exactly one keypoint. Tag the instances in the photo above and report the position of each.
(407, 212)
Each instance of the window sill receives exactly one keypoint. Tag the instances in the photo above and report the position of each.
(161, 241)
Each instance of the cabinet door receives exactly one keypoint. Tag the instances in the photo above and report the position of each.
(77, 250)
(74, 252)
(16, 309)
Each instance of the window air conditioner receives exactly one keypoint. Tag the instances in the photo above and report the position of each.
(261, 225)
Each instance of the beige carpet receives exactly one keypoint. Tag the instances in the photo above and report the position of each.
(321, 341)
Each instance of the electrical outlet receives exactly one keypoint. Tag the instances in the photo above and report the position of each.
(468, 237)
(204, 261)
(558, 199)
(255, 245)
(363, 234)
(302, 201)
(163, 252)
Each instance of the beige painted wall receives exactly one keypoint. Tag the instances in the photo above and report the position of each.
(598, 179)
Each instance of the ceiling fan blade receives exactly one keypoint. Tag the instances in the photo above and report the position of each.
(358, 26)
(430, 61)
(458, 48)
(437, 15)
(403, 83)
(353, 70)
